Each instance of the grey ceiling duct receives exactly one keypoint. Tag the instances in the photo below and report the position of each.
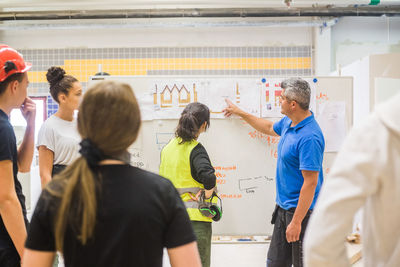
(356, 11)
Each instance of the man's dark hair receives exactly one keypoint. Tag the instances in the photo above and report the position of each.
(14, 77)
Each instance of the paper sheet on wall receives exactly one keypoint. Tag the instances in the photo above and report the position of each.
(331, 119)
(145, 101)
(146, 106)
(213, 94)
(248, 95)
(270, 94)
(170, 97)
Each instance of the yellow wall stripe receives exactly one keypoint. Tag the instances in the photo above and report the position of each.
(82, 69)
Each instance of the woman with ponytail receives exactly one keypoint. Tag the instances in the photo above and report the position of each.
(185, 162)
(58, 139)
(101, 211)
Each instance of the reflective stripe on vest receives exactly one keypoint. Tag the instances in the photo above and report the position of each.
(175, 166)
(191, 204)
(193, 190)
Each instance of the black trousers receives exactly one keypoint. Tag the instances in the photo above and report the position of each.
(9, 258)
(281, 253)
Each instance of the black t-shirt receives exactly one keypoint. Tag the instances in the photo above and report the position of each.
(8, 151)
(138, 214)
(200, 167)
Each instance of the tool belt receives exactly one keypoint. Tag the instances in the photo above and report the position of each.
(205, 205)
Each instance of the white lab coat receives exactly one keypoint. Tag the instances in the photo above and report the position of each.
(366, 173)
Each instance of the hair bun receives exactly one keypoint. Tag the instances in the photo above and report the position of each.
(54, 75)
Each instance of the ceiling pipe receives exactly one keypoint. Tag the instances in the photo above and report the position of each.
(355, 11)
(129, 24)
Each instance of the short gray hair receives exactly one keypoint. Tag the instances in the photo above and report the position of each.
(298, 90)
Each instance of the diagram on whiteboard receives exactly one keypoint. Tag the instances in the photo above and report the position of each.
(213, 94)
(270, 100)
(166, 95)
(259, 97)
(249, 185)
(243, 92)
(248, 95)
(172, 96)
(270, 97)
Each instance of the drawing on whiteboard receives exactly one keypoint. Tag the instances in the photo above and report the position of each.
(278, 94)
(248, 96)
(270, 102)
(272, 92)
(271, 140)
(243, 92)
(237, 94)
(214, 93)
(167, 95)
(268, 105)
(137, 157)
(321, 97)
(230, 196)
(170, 97)
(221, 181)
(249, 185)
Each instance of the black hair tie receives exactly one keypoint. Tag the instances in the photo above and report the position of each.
(91, 152)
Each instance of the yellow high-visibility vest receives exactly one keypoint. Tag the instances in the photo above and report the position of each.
(175, 166)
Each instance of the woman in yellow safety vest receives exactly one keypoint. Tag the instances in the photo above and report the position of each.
(186, 163)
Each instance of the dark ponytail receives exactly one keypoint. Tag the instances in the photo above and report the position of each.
(192, 117)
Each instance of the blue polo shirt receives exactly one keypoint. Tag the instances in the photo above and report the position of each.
(299, 148)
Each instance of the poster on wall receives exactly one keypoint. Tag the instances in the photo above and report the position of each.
(270, 98)
(145, 101)
(331, 118)
(248, 94)
(170, 97)
(213, 94)
(271, 93)
(244, 93)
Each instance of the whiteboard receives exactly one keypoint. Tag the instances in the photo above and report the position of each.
(244, 159)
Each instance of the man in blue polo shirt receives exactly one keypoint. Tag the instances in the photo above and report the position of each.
(299, 169)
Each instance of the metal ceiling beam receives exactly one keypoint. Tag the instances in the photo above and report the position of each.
(159, 23)
(36, 5)
(356, 11)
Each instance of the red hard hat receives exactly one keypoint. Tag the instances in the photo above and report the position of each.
(11, 62)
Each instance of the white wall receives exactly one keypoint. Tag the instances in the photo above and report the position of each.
(350, 39)
(322, 47)
(356, 37)
(157, 37)
(361, 93)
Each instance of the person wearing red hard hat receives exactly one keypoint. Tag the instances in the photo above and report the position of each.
(13, 94)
